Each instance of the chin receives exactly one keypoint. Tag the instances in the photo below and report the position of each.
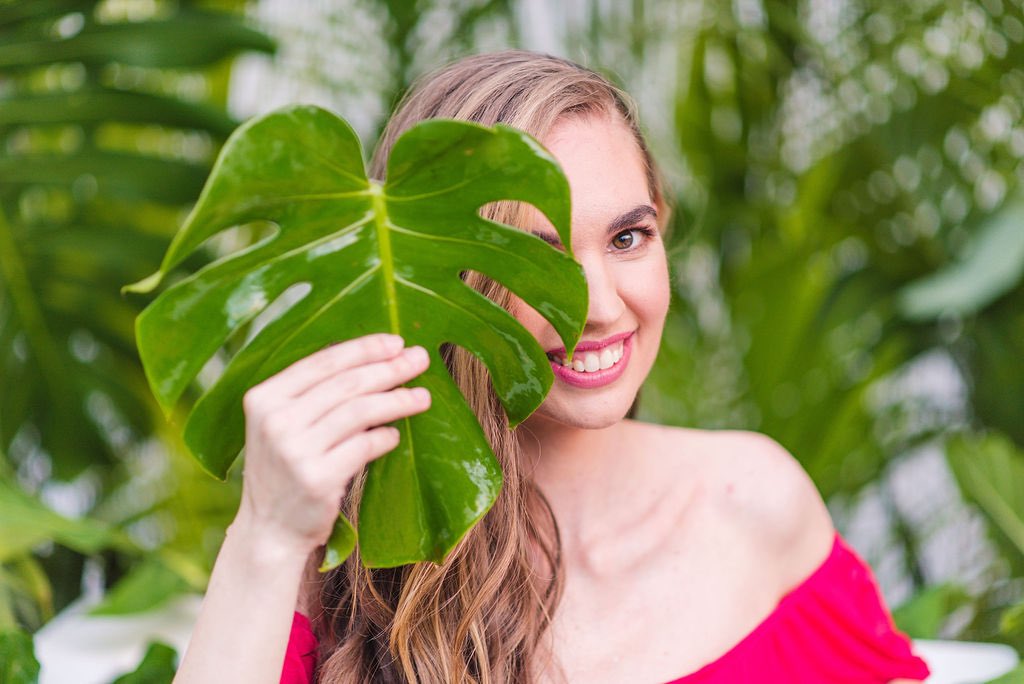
(580, 416)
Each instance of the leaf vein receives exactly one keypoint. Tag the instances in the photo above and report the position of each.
(435, 193)
(439, 296)
(363, 277)
(312, 197)
(475, 243)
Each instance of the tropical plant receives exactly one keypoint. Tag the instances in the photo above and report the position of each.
(371, 257)
(848, 217)
(842, 167)
(990, 470)
(110, 114)
(158, 665)
(847, 222)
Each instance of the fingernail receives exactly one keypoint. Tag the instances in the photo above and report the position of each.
(393, 342)
(421, 393)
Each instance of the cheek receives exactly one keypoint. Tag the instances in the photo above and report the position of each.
(647, 291)
(663, 296)
(527, 317)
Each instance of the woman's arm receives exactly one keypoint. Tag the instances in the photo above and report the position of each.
(309, 429)
(245, 618)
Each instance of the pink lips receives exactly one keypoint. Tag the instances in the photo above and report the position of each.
(597, 378)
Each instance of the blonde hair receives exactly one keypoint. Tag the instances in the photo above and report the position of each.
(480, 617)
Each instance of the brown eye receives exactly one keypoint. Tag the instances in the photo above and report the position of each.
(623, 240)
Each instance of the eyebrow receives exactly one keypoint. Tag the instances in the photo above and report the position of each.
(630, 218)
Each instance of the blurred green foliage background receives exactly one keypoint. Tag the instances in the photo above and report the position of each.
(847, 249)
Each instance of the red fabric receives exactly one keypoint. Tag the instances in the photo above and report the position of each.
(833, 628)
(300, 657)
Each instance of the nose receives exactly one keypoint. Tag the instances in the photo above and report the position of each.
(606, 305)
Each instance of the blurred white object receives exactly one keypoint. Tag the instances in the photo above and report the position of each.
(77, 648)
(965, 662)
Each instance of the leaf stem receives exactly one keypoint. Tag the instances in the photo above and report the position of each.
(380, 219)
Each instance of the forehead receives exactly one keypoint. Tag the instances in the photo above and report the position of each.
(603, 163)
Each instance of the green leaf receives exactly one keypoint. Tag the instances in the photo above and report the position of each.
(994, 264)
(375, 258)
(1011, 622)
(68, 240)
(22, 318)
(14, 12)
(18, 664)
(103, 105)
(186, 39)
(25, 523)
(144, 588)
(993, 362)
(924, 614)
(26, 595)
(989, 470)
(116, 174)
(88, 203)
(341, 543)
(157, 667)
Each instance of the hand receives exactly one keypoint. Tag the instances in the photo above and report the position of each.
(313, 426)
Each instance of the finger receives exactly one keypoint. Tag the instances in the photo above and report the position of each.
(303, 374)
(369, 411)
(368, 379)
(352, 454)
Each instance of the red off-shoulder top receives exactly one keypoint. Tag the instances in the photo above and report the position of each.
(832, 628)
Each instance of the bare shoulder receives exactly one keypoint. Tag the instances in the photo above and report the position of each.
(775, 500)
(757, 488)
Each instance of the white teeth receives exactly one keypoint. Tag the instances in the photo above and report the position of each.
(590, 362)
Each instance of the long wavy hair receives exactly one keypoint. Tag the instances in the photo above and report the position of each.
(481, 617)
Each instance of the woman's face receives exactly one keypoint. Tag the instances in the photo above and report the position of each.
(615, 237)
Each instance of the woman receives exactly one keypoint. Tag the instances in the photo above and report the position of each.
(617, 551)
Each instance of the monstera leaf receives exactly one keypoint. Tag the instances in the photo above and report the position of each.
(989, 469)
(371, 257)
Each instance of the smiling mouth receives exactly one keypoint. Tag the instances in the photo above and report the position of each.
(591, 361)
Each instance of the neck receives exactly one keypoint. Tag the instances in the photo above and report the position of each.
(591, 477)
